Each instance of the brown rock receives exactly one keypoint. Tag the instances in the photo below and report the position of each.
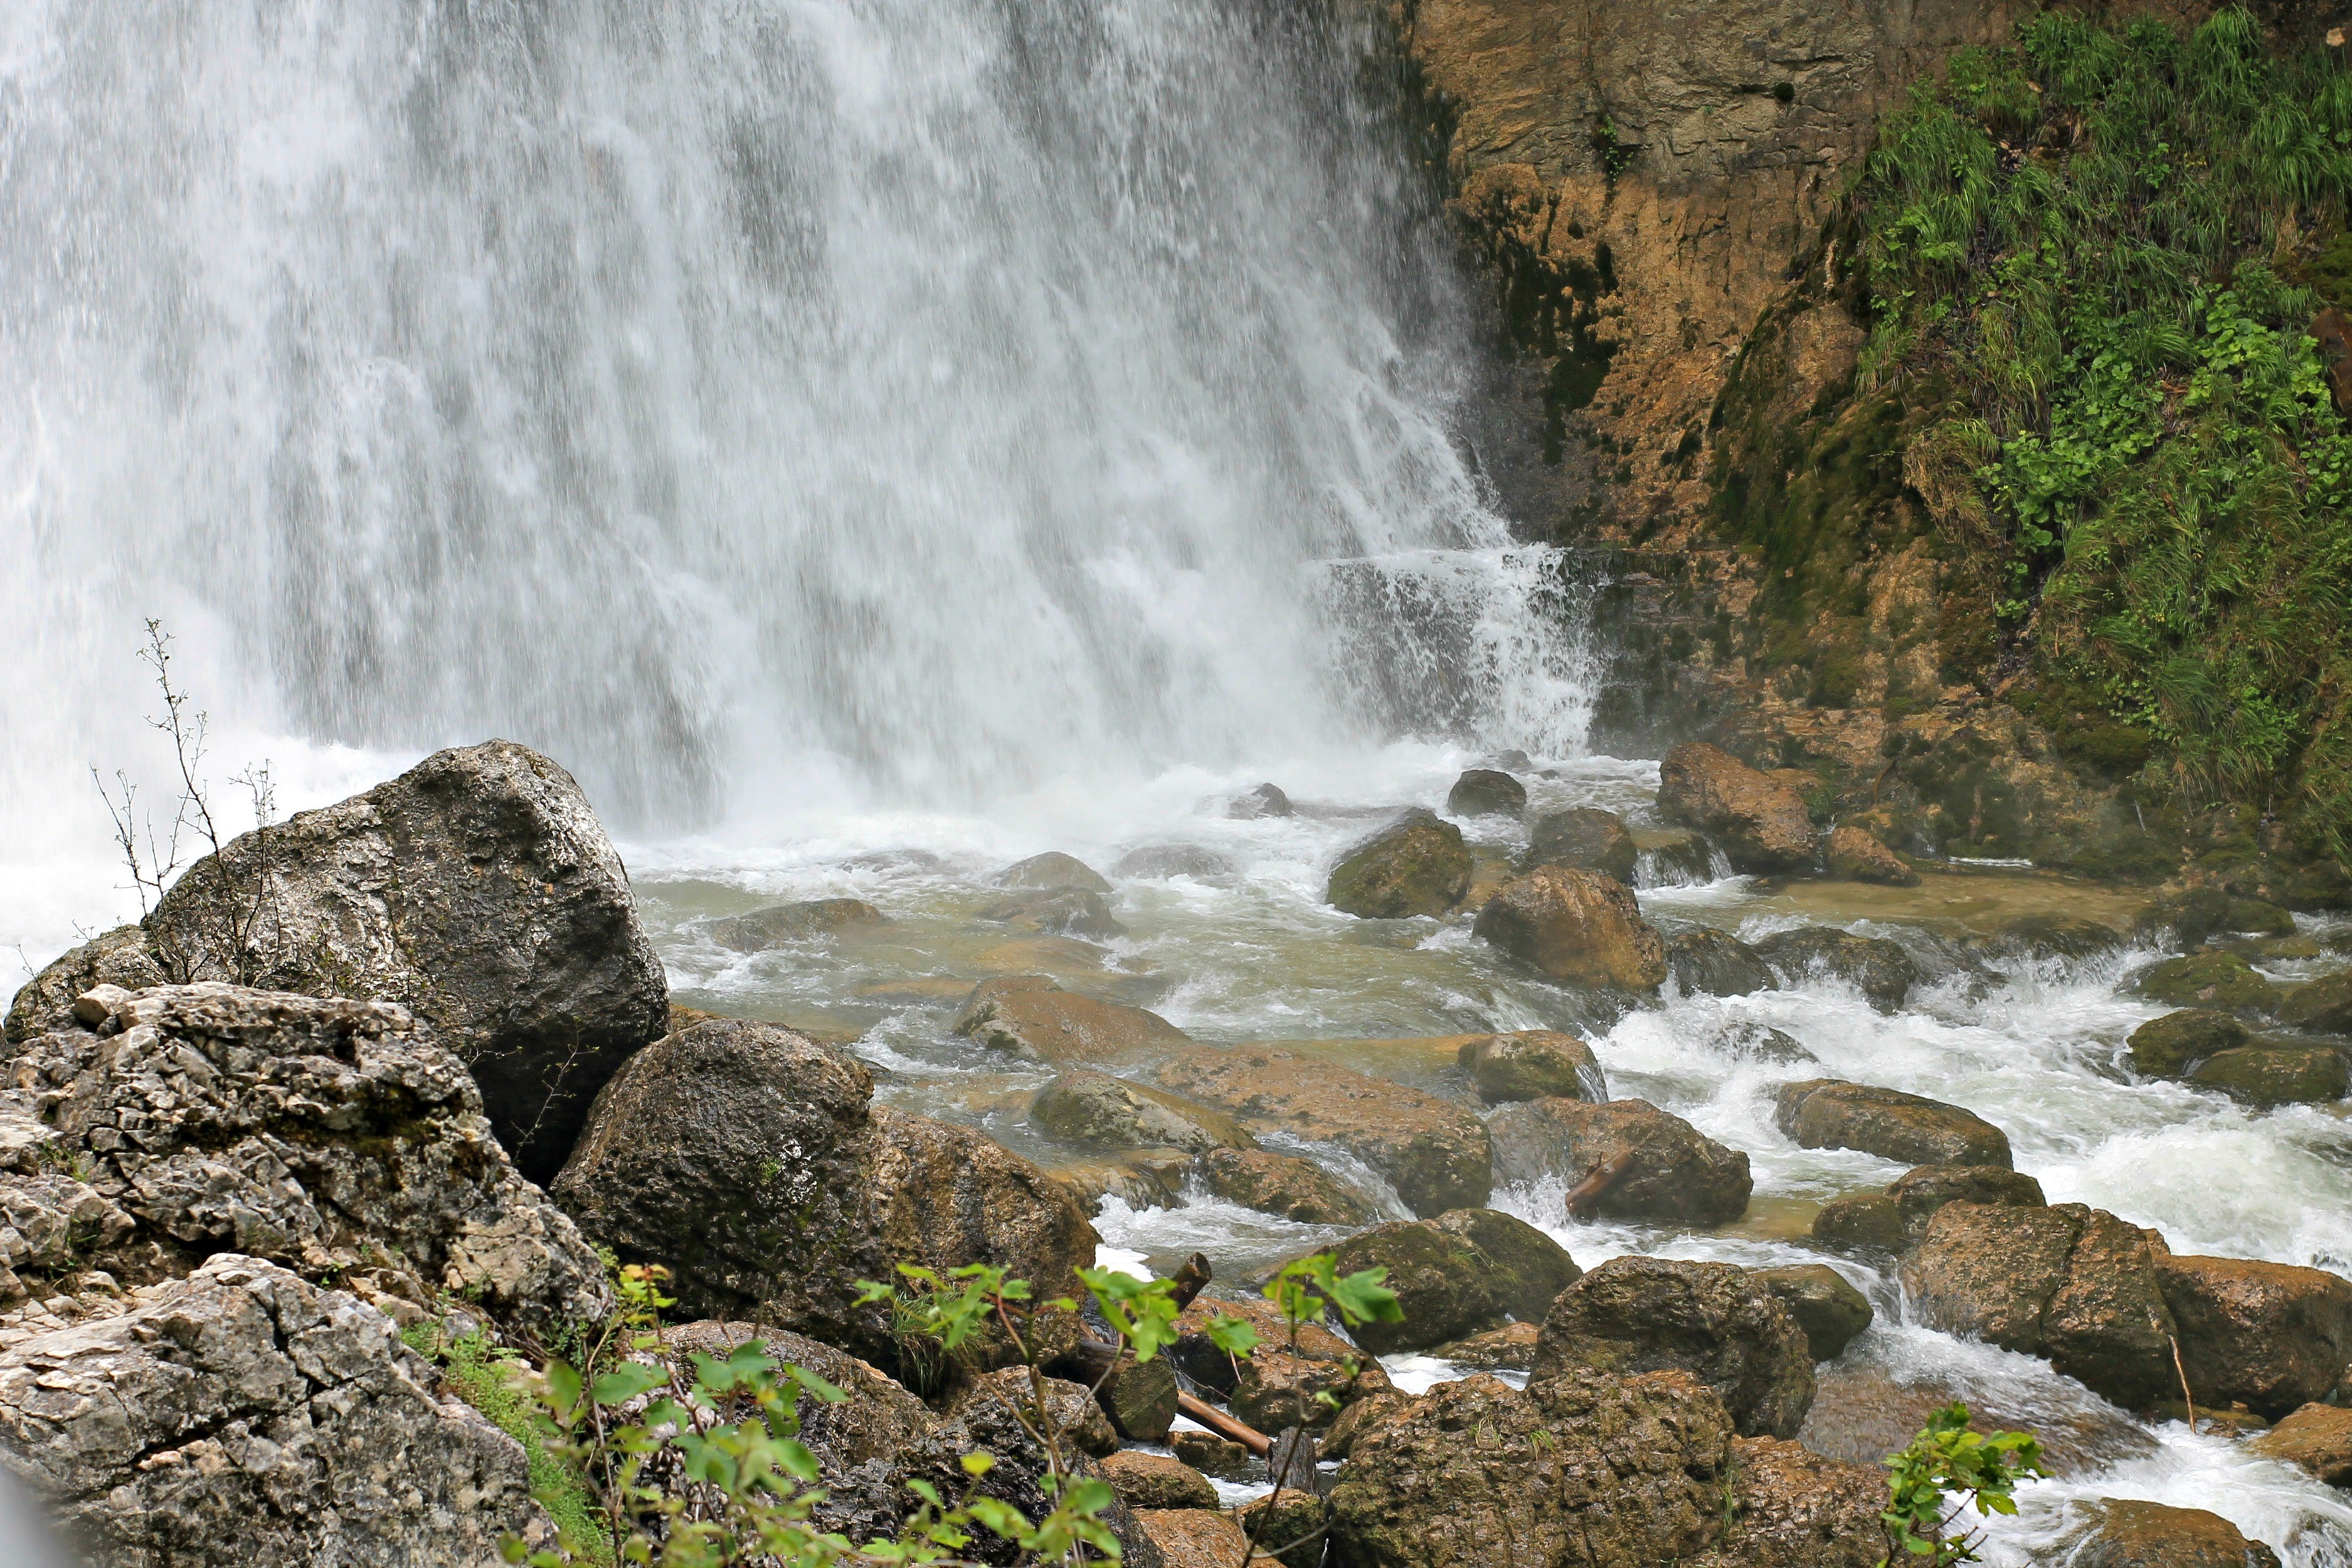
(1282, 1183)
(1826, 1114)
(1456, 1274)
(1511, 1348)
(2271, 1336)
(1713, 1320)
(1677, 1173)
(1717, 963)
(1436, 1154)
(1531, 1064)
(1584, 839)
(1140, 1397)
(1213, 1455)
(1287, 1527)
(1790, 1508)
(1578, 927)
(1827, 1308)
(1030, 1016)
(1277, 1389)
(1045, 873)
(2318, 1438)
(1156, 1480)
(2131, 1534)
(1856, 857)
(1071, 1405)
(1198, 1358)
(1762, 825)
(1417, 866)
(1363, 1415)
(1192, 1537)
(763, 929)
(1898, 1216)
(1087, 1107)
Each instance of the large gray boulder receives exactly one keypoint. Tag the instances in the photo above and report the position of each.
(477, 889)
(241, 1417)
(332, 1137)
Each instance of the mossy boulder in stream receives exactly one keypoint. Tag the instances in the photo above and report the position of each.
(1281, 1184)
(1028, 1015)
(1710, 963)
(2219, 980)
(1531, 1065)
(1416, 866)
(1487, 792)
(1880, 969)
(2169, 1046)
(2129, 1533)
(1045, 873)
(1826, 1306)
(779, 924)
(1675, 1172)
(1087, 1107)
(1456, 1274)
(2267, 1076)
(1578, 927)
(1584, 838)
(2324, 1007)
(2270, 1336)
(1856, 857)
(1898, 1216)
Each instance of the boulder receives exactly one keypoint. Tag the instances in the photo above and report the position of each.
(1714, 1321)
(1918, 1192)
(2221, 982)
(1511, 1348)
(1057, 911)
(1213, 1455)
(2170, 1045)
(1159, 1480)
(1677, 853)
(2194, 915)
(1028, 1015)
(2070, 1283)
(1531, 1064)
(2268, 1076)
(1826, 1114)
(2047, 935)
(1761, 824)
(1873, 965)
(1436, 1154)
(1828, 1309)
(332, 1137)
(1367, 1413)
(1578, 927)
(1140, 1178)
(1281, 1184)
(1582, 838)
(2324, 1007)
(1579, 1468)
(2133, 1534)
(1456, 1274)
(1265, 800)
(1140, 1398)
(2318, 1438)
(1485, 792)
(1287, 1527)
(1707, 962)
(477, 889)
(1076, 1416)
(1045, 873)
(1277, 1389)
(1856, 857)
(1157, 862)
(748, 1160)
(1192, 1537)
(1791, 1507)
(2270, 1336)
(1196, 1356)
(1416, 866)
(244, 1415)
(781, 923)
(1087, 1107)
(1754, 1042)
(880, 1419)
(1677, 1174)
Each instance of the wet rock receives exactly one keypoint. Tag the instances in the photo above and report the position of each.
(1156, 862)
(1058, 911)
(2318, 1438)
(2324, 1007)
(1876, 967)
(1196, 1356)
(1140, 1397)
(2221, 982)
(2054, 936)
(2132, 1534)
(1265, 800)
(1282, 1185)
(1581, 1467)
(1436, 1154)
(1826, 1114)
(2170, 1045)
(1511, 1348)
(1088, 1107)
(1531, 1064)
(2268, 1076)
(748, 1160)
(1485, 792)
(1753, 1042)
(2194, 915)
(1870, 1220)
(1791, 1507)
(1416, 866)
(2070, 1283)
(1052, 870)
(1676, 854)
(1578, 927)
(1193, 1538)
(1212, 1455)
(1762, 825)
(1071, 1405)
(1157, 1480)
(1856, 857)
(1364, 1415)
(324, 1135)
(2270, 1336)
(880, 1418)
(1828, 1309)
(1713, 1320)
(242, 1415)
(1456, 1274)
(1921, 1190)
(1277, 1389)
(1030, 1016)
(1141, 1179)
(477, 889)
(1710, 963)
(781, 923)
(1582, 838)
(1288, 1527)
(1676, 1174)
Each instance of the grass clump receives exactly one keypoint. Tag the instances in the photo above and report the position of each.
(484, 1375)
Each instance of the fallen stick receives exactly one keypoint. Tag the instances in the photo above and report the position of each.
(1224, 1425)
(1189, 1280)
(1584, 1198)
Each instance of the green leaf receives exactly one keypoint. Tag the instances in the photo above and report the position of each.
(625, 1382)
(1233, 1334)
(562, 1385)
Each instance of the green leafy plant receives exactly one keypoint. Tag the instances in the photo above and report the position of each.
(484, 1375)
(1946, 1468)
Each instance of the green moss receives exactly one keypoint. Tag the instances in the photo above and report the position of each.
(482, 1375)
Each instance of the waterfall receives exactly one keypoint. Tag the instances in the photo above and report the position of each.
(929, 395)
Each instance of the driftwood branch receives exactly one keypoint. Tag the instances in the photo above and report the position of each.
(1224, 1425)
(1584, 1198)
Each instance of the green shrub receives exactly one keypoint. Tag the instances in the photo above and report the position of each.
(483, 1375)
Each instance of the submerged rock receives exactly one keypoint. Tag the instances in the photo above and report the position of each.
(1087, 1107)
(1265, 800)
(2221, 982)
(1281, 1184)
(1828, 1310)
(1856, 857)
(1436, 1154)
(1159, 861)
(1578, 927)
(2170, 1045)
(1710, 963)
(1582, 838)
(1876, 967)
(1676, 1174)
(1826, 1114)
(477, 889)
(1057, 911)
(1761, 824)
(1051, 871)
(781, 923)
(2133, 1534)
(1713, 1320)
(1485, 792)
(1531, 1064)
(1456, 1274)
(1416, 866)
(1028, 1015)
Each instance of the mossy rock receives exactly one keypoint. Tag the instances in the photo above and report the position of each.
(2220, 980)
(2168, 1047)
(2265, 1076)
(1417, 866)
(2324, 1007)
